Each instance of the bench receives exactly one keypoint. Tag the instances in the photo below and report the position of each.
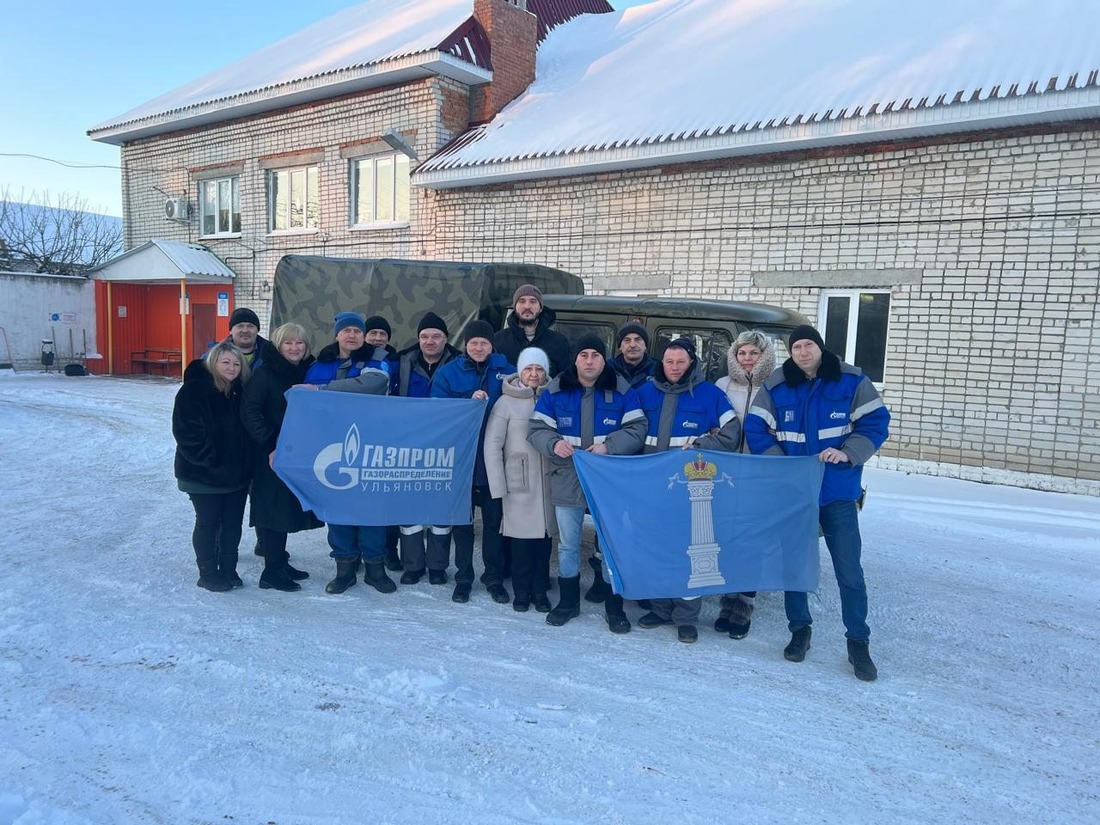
(160, 359)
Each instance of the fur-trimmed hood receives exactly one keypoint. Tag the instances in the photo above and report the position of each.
(764, 367)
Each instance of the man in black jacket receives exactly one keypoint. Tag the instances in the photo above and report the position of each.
(529, 325)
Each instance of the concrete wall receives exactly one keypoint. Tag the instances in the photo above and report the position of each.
(29, 301)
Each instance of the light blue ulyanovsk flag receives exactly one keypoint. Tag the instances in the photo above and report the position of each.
(688, 523)
(376, 460)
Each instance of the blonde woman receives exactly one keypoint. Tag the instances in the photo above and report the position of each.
(275, 510)
(214, 460)
(751, 359)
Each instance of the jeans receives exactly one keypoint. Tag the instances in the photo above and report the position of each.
(840, 524)
(570, 522)
(350, 542)
(492, 513)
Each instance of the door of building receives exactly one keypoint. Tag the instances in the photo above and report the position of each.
(203, 328)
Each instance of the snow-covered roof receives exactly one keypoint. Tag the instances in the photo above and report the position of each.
(161, 261)
(686, 80)
(375, 43)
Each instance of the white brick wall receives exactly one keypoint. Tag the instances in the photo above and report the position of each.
(992, 355)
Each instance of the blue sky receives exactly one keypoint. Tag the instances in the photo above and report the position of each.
(68, 66)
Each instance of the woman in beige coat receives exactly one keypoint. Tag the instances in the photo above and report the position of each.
(517, 474)
(751, 360)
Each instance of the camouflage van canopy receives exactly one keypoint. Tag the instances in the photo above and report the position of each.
(310, 290)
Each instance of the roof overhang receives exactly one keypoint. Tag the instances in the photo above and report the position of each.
(165, 262)
(345, 81)
(991, 114)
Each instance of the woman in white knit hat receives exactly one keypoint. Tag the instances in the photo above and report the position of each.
(517, 475)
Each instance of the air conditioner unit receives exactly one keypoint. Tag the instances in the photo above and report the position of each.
(176, 209)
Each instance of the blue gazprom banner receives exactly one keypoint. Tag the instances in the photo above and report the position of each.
(687, 523)
(378, 460)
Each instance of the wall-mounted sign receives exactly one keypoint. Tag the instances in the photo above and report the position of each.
(121, 311)
(223, 304)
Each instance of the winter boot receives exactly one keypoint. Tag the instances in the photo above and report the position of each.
(461, 593)
(542, 601)
(741, 607)
(212, 580)
(227, 566)
(569, 606)
(374, 574)
(722, 623)
(614, 615)
(799, 645)
(393, 561)
(599, 589)
(437, 577)
(412, 576)
(275, 577)
(859, 654)
(345, 576)
(294, 573)
(498, 593)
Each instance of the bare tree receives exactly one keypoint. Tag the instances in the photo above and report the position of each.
(60, 237)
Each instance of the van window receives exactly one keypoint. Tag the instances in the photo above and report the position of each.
(573, 330)
(711, 345)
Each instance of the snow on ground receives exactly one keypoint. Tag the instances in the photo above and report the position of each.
(129, 695)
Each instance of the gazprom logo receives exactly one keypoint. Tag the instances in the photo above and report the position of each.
(332, 454)
(837, 414)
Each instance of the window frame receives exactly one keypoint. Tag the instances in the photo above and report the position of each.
(398, 160)
(852, 332)
(272, 194)
(234, 182)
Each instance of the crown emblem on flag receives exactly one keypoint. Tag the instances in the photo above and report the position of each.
(700, 469)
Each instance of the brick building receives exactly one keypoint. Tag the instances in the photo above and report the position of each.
(928, 194)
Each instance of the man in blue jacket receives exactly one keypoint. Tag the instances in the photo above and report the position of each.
(588, 407)
(479, 374)
(816, 404)
(683, 412)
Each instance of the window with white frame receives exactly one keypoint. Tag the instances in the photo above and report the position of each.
(854, 325)
(380, 189)
(220, 206)
(293, 199)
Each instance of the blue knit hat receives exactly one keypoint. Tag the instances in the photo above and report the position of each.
(343, 320)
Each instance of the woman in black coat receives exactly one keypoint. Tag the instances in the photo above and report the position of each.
(275, 509)
(214, 460)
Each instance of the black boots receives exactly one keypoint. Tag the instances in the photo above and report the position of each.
(210, 579)
(614, 615)
(600, 589)
(859, 654)
(569, 606)
(345, 576)
(374, 574)
(740, 615)
(799, 645)
(275, 577)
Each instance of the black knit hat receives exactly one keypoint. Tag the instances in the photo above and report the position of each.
(378, 322)
(589, 341)
(432, 321)
(631, 329)
(686, 344)
(243, 315)
(478, 329)
(805, 333)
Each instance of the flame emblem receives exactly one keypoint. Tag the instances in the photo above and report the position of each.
(351, 445)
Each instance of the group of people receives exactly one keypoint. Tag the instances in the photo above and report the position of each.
(545, 401)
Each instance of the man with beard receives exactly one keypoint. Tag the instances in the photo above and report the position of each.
(529, 325)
